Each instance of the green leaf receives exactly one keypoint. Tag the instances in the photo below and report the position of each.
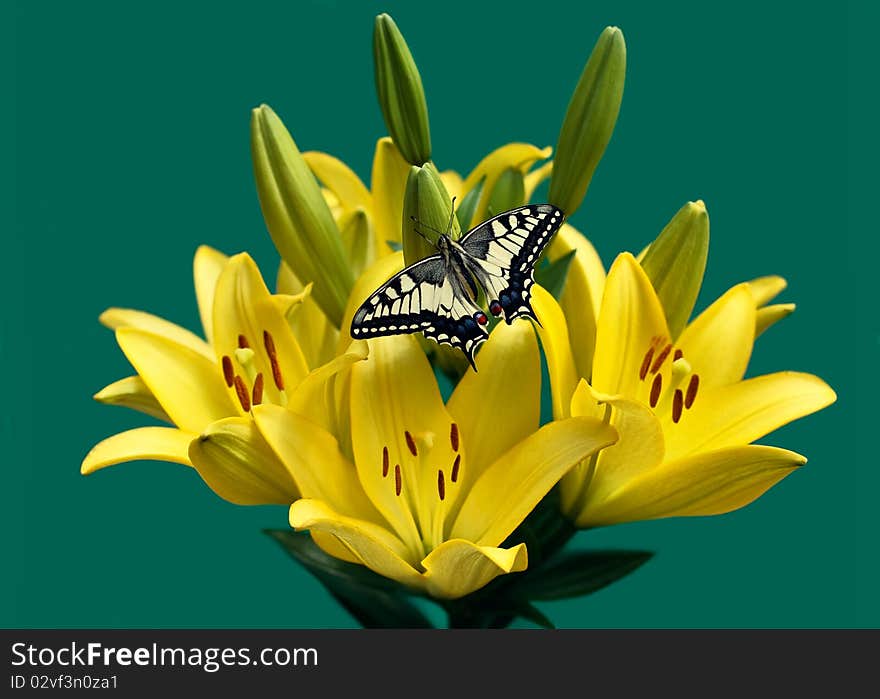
(552, 276)
(575, 574)
(375, 601)
(467, 207)
(676, 261)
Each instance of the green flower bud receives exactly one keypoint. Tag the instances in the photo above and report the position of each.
(509, 192)
(675, 263)
(401, 96)
(427, 212)
(359, 240)
(589, 121)
(296, 214)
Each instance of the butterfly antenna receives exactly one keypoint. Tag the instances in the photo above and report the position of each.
(451, 217)
(420, 223)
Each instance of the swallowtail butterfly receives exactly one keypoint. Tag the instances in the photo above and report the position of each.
(438, 295)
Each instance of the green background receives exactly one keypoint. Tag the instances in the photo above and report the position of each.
(126, 127)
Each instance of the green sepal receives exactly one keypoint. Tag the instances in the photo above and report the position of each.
(509, 192)
(400, 92)
(589, 121)
(467, 207)
(373, 600)
(675, 263)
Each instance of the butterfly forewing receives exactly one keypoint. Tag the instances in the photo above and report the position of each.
(424, 298)
(506, 248)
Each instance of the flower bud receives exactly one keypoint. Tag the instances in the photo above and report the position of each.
(589, 121)
(296, 214)
(427, 213)
(400, 92)
(675, 263)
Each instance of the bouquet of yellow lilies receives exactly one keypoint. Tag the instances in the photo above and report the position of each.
(409, 473)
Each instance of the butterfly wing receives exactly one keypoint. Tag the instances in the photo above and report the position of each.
(425, 298)
(503, 252)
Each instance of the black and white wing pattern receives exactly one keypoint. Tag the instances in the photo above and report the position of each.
(425, 298)
(503, 251)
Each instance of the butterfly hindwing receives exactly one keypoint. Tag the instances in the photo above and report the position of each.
(424, 298)
(505, 250)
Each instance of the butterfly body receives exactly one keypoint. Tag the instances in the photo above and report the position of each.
(439, 296)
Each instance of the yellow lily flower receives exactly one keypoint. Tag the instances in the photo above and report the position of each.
(433, 489)
(207, 389)
(685, 415)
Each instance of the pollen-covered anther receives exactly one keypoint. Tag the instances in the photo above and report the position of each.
(269, 344)
(243, 342)
(678, 355)
(691, 394)
(257, 394)
(456, 465)
(385, 462)
(398, 480)
(646, 363)
(656, 387)
(242, 392)
(411, 443)
(453, 436)
(228, 371)
(441, 484)
(658, 362)
(677, 405)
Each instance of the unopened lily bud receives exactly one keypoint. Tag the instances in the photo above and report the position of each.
(509, 192)
(401, 96)
(675, 263)
(427, 213)
(589, 121)
(297, 215)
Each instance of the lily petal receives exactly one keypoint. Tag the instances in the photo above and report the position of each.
(492, 412)
(244, 313)
(313, 331)
(374, 545)
(188, 386)
(553, 331)
(340, 180)
(399, 425)
(631, 321)
(132, 392)
(710, 483)
(765, 289)
(513, 155)
(312, 457)
(511, 487)
(718, 343)
(208, 263)
(115, 318)
(457, 567)
(582, 294)
(388, 184)
(534, 178)
(770, 315)
(639, 449)
(140, 444)
(316, 396)
(235, 461)
(745, 411)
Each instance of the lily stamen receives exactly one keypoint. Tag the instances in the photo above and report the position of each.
(258, 389)
(658, 362)
(453, 436)
(691, 394)
(455, 468)
(242, 392)
(677, 405)
(269, 344)
(228, 371)
(655, 389)
(385, 462)
(441, 485)
(243, 342)
(646, 362)
(410, 443)
(398, 481)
